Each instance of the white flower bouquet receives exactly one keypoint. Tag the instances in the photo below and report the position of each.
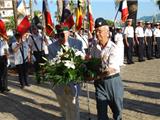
(69, 66)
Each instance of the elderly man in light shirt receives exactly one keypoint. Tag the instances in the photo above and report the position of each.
(68, 101)
(108, 84)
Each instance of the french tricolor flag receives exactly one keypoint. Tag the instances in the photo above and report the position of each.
(23, 21)
(123, 8)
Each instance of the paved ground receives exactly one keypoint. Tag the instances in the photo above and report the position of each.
(38, 102)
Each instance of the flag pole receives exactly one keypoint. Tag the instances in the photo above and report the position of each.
(14, 4)
(89, 50)
(31, 8)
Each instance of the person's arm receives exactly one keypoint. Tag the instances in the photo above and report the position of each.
(136, 37)
(16, 46)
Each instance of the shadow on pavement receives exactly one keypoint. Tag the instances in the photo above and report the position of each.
(21, 109)
(150, 84)
(150, 94)
(142, 107)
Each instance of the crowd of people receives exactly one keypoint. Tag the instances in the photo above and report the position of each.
(144, 41)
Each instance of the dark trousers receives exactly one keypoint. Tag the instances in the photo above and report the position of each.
(141, 50)
(3, 73)
(129, 50)
(158, 47)
(109, 92)
(149, 47)
(39, 59)
(22, 70)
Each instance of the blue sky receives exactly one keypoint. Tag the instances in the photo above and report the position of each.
(106, 8)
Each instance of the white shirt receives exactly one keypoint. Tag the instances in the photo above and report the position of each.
(109, 56)
(84, 40)
(157, 32)
(119, 40)
(18, 55)
(139, 31)
(148, 32)
(129, 31)
(38, 40)
(3, 47)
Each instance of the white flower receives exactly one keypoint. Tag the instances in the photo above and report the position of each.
(60, 53)
(69, 64)
(78, 53)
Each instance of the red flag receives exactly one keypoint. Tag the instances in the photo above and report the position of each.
(48, 20)
(79, 16)
(23, 21)
(67, 16)
(90, 17)
(123, 8)
(24, 26)
(3, 32)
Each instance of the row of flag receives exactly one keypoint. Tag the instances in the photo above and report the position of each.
(66, 16)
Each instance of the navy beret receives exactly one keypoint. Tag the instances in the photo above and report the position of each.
(100, 22)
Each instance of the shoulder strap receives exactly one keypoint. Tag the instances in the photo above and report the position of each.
(35, 43)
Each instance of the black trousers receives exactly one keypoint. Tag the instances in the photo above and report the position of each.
(158, 47)
(3, 73)
(39, 59)
(129, 50)
(22, 70)
(149, 47)
(141, 50)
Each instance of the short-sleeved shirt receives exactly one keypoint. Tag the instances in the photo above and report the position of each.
(56, 46)
(39, 42)
(109, 56)
(157, 32)
(84, 40)
(148, 32)
(139, 32)
(119, 40)
(3, 47)
(18, 55)
(129, 31)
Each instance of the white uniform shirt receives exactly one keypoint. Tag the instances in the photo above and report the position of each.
(157, 32)
(3, 47)
(84, 40)
(129, 31)
(139, 31)
(109, 56)
(148, 32)
(119, 40)
(38, 40)
(18, 55)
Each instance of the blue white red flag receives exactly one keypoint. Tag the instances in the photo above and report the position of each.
(49, 26)
(123, 8)
(23, 21)
(67, 16)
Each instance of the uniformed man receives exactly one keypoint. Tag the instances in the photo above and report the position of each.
(119, 42)
(37, 46)
(84, 38)
(129, 41)
(22, 58)
(157, 39)
(3, 65)
(148, 40)
(139, 36)
(108, 84)
(69, 101)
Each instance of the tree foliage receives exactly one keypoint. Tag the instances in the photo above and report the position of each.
(10, 24)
